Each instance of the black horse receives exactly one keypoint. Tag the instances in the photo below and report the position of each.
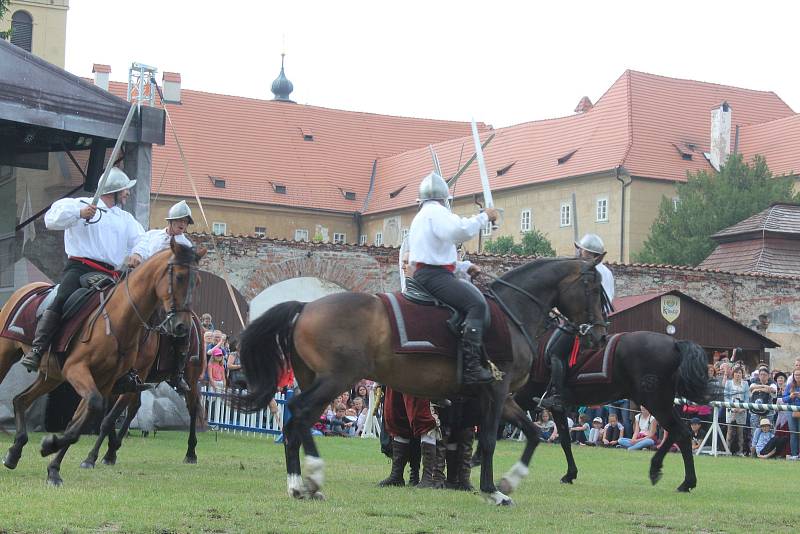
(650, 369)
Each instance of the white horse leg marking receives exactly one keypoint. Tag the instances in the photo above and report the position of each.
(512, 479)
(498, 499)
(295, 486)
(314, 470)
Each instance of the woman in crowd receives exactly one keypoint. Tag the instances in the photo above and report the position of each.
(235, 374)
(736, 389)
(791, 396)
(645, 429)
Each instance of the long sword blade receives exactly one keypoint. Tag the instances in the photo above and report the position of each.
(452, 181)
(487, 190)
(115, 152)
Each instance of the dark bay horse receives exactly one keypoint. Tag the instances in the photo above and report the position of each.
(336, 340)
(147, 366)
(97, 359)
(650, 369)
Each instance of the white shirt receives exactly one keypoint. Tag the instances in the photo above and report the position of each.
(435, 231)
(155, 241)
(607, 280)
(109, 240)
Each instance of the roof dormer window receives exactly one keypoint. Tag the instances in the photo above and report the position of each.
(217, 182)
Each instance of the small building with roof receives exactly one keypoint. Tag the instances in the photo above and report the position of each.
(679, 315)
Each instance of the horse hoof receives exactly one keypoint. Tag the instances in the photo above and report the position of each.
(48, 446)
(505, 486)
(685, 488)
(655, 477)
(498, 498)
(87, 464)
(54, 480)
(109, 460)
(190, 460)
(11, 460)
(566, 480)
(317, 496)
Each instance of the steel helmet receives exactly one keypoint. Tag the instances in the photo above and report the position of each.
(117, 181)
(179, 211)
(591, 243)
(433, 187)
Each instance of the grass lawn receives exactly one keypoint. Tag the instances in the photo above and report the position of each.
(239, 485)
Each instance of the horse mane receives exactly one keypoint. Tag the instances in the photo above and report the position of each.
(183, 255)
(535, 265)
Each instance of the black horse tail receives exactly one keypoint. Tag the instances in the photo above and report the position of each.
(264, 352)
(692, 380)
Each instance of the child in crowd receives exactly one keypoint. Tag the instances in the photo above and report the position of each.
(696, 432)
(580, 432)
(613, 431)
(546, 426)
(645, 430)
(216, 370)
(764, 440)
(339, 425)
(596, 433)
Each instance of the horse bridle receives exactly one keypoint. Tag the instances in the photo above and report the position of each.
(554, 317)
(161, 327)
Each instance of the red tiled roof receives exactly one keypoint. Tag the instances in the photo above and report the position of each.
(637, 124)
(99, 67)
(623, 303)
(781, 217)
(778, 141)
(250, 143)
(767, 255)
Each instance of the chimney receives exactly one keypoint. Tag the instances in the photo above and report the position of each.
(172, 87)
(584, 105)
(720, 135)
(101, 73)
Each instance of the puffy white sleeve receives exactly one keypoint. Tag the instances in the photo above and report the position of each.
(450, 227)
(136, 234)
(142, 247)
(63, 214)
(183, 240)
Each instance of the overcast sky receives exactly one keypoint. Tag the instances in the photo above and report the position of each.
(501, 62)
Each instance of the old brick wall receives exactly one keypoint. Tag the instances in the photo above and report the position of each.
(769, 304)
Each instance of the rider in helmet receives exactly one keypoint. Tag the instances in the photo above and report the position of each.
(178, 218)
(432, 239)
(92, 244)
(590, 248)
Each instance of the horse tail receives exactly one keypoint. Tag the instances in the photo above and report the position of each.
(692, 380)
(264, 352)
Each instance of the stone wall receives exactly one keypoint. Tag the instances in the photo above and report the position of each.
(770, 305)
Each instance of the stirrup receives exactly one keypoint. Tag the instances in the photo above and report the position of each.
(31, 361)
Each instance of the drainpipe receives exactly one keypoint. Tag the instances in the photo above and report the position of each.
(622, 214)
(357, 220)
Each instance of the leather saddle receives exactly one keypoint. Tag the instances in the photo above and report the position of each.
(91, 283)
(417, 294)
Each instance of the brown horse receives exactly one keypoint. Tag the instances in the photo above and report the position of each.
(92, 367)
(336, 340)
(149, 370)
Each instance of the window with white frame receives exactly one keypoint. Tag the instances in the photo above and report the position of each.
(301, 234)
(339, 239)
(566, 214)
(525, 221)
(675, 203)
(487, 229)
(260, 231)
(378, 239)
(403, 234)
(219, 228)
(602, 210)
(362, 239)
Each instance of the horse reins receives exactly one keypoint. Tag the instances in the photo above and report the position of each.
(161, 327)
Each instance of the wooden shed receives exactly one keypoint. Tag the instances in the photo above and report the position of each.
(678, 315)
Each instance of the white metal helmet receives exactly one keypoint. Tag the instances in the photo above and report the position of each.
(117, 181)
(433, 187)
(591, 243)
(179, 211)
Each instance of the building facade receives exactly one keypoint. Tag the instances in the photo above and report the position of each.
(39, 27)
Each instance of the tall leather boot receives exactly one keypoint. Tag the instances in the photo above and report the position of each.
(453, 468)
(177, 381)
(400, 454)
(430, 469)
(415, 457)
(471, 352)
(439, 466)
(46, 328)
(464, 452)
(560, 398)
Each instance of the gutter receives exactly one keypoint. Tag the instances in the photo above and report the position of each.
(622, 213)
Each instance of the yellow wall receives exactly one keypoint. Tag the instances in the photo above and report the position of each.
(49, 26)
(644, 199)
(242, 218)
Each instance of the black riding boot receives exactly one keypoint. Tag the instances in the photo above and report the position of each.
(415, 457)
(560, 398)
(46, 328)
(129, 383)
(465, 441)
(431, 468)
(453, 468)
(177, 381)
(400, 456)
(471, 352)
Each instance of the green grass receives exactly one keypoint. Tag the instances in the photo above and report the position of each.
(239, 485)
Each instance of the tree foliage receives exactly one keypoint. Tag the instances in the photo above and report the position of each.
(709, 202)
(3, 11)
(534, 243)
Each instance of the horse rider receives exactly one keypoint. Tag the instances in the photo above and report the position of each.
(589, 248)
(99, 245)
(432, 239)
(178, 218)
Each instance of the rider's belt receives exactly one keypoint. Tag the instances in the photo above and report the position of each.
(101, 266)
(449, 267)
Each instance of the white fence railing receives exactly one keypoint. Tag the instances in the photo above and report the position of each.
(221, 413)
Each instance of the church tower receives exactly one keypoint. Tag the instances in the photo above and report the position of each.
(38, 26)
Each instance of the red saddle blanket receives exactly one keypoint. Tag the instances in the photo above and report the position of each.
(591, 366)
(21, 322)
(420, 329)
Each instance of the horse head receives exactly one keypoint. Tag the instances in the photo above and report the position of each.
(580, 299)
(175, 287)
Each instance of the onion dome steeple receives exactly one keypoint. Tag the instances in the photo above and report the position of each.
(282, 87)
